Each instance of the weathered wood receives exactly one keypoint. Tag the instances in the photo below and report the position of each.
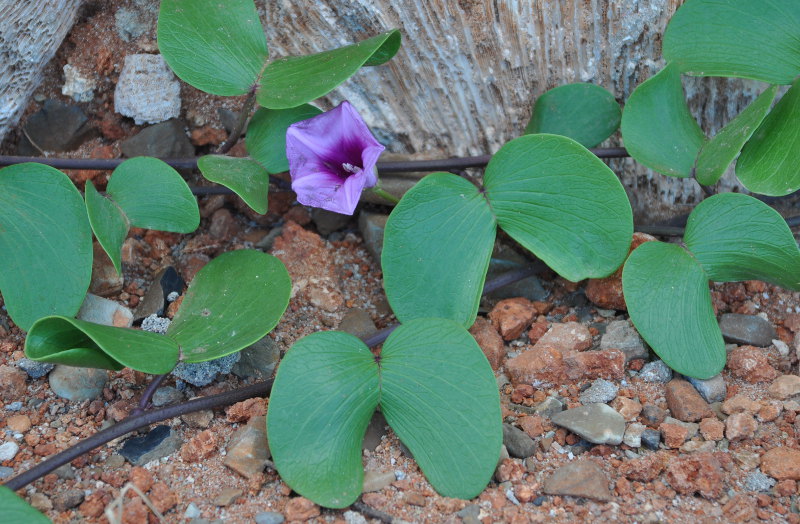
(30, 33)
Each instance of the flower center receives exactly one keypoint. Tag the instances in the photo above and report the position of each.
(350, 168)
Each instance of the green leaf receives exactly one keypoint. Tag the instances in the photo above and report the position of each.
(153, 196)
(436, 252)
(266, 134)
(109, 223)
(45, 243)
(244, 176)
(14, 509)
(325, 392)
(235, 300)
(62, 340)
(770, 159)
(657, 127)
(562, 203)
(717, 154)
(667, 295)
(295, 80)
(217, 47)
(585, 113)
(737, 237)
(755, 39)
(440, 396)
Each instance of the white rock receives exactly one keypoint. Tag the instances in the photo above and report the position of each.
(77, 86)
(8, 451)
(147, 91)
(781, 346)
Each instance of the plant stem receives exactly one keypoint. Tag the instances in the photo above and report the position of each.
(385, 195)
(144, 402)
(236, 132)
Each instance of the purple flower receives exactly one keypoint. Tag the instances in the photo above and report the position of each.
(332, 159)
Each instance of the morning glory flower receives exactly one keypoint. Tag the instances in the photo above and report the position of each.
(332, 159)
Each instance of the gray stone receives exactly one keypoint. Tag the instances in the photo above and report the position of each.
(653, 414)
(372, 227)
(78, 384)
(357, 322)
(597, 423)
(758, 481)
(258, 360)
(17, 405)
(8, 451)
(656, 371)
(147, 90)
(77, 86)
(712, 389)
(99, 310)
(353, 517)
(154, 301)
(164, 140)
(692, 427)
(130, 23)
(747, 329)
(376, 429)
(377, 480)
(192, 511)
(505, 259)
(328, 221)
(35, 369)
(549, 407)
(651, 438)
(269, 239)
(469, 515)
(67, 499)
(582, 478)
(198, 419)
(620, 334)
(600, 392)
(159, 442)
(633, 435)
(55, 127)
(518, 443)
(248, 450)
(269, 517)
(65, 472)
(156, 324)
(203, 373)
(6, 472)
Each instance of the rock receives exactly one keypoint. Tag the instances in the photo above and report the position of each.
(100, 310)
(376, 429)
(505, 259)
(633, 435)
(532, 425)
(351, 517)
(154, 302)
(67, 499)
(620, 334)
(159, 442)
(785, 386)
(712, 389)
(569, 336)
(740, 404)
(147, 90)
(163, 498)
(750, 364)
(697, 473)
(166, 395)
(192, 511)
(712, 429)
(203, 373)
(600, 392)
(538, 366)
(223, 226)
(12, 383)
(656, 371)
(18, 423)
(105, 279)
(685, 403)
(512, 316)
(750, 330)
(674, 435)
(646, 468)
(692, 428)
(740, 426)
(258, 360)
(628, 408)
(757, 481)
(377, 480)
(78, 384)
(589, 365)
(300, 508)
(489, 341)
(357, 322)
(372, 227)
(518, 443)
(747, 460)
(41, 502)
(770, 411)
(200, 447)
(130, 23)
(549, 407)
(781, 463)
(328, 221)
(582, 478)
(597, 423)
(8, 451)
(35, 369)
(607, 292)
(165, 140)
(651, 438)
(269, 517)
(76, 85)
(55, 127)
(227, 496)
(248, 450)
(5, 472)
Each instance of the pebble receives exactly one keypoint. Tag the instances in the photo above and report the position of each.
(67, 499)
(203, 373)
(504, 260)
(77, 86)
(781, 463)
(12, 383)
(164, 140)
(751, 365)
(352, 517)
(55, 127)
(372, 227)
(166, 395)
(656, 371)
(712, 389)
(328, 221)
(740, 426)
(78, 384)
(692, 428)
(757, 481)
(227, 496)
(5, 472)
(512, 316)
(785, 386)
(99, 310)
(165, 282)
(147, 90)
(620, 334)
(600, 392)
(198, 419)
(582, 478)
(568, 336)
(8, 451)
(651, 438)
(105, 279)
(749, 330)
(130, 23)
(300, 508)
(697, 473)
(377, 480)
(41, 502)
(628, 408)
(549, 407)
(685, 403)
(269, 517)
(357, 322)
(192, 511)
(14, 406)
(518, 443)
(248, 450)
(18, 423)
(159, 442)
(489, 340)
(376, 429)
(35, 369)
(597, 423)
(633, 435)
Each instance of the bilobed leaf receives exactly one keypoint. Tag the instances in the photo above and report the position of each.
(108, 222)
(439, 394)
(246, 177)
(717, 154)
(295, 80)
(436, 252)
(14, 509)
(668, 300)
(755, 39)
(217, 47)
(657, 127)
(586, 113)
(62, 340)
(562, 203)
(232, 302)
(45, 243)
(770, 159)
(737, 237)
(266, 134)
(325, 393)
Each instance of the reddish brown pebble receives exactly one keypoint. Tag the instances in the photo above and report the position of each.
(607, 292)
(512, 316)
(785, 386)
(740, 426)
(509, 470)
(646, 468)
(740, 404)
(300, 508)
(712, 429)
(537, 330)
(544, 365)
(12, 383)
(741, 508)
(570, 336)
(489, 341)
(674, 435)
(134, 512)
(697, 473)
(162, 497)
(628, 408)
(246, 409)
(18, 423)
(770, 411)
(415, 499)
(781, 463)
(141, 478)
(751, 365)
(786, 488)
(685, 403)
(94, 504)
(201, 446)
(589, 365)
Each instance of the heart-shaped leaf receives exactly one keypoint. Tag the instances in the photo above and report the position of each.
(770, 159)
(295, 80)
(266, 134)
(585, 113)
(658, 129)
(743, 38)
(436, 252)
(325, 392)
(440, 396)
(668, 300)
(217, 47)
(109, 223)
(717, 154)
(14, 509)
(232, 302)
(62, 340)
(562, 203)
(244, 176)
(45, 243)
(737, 237)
